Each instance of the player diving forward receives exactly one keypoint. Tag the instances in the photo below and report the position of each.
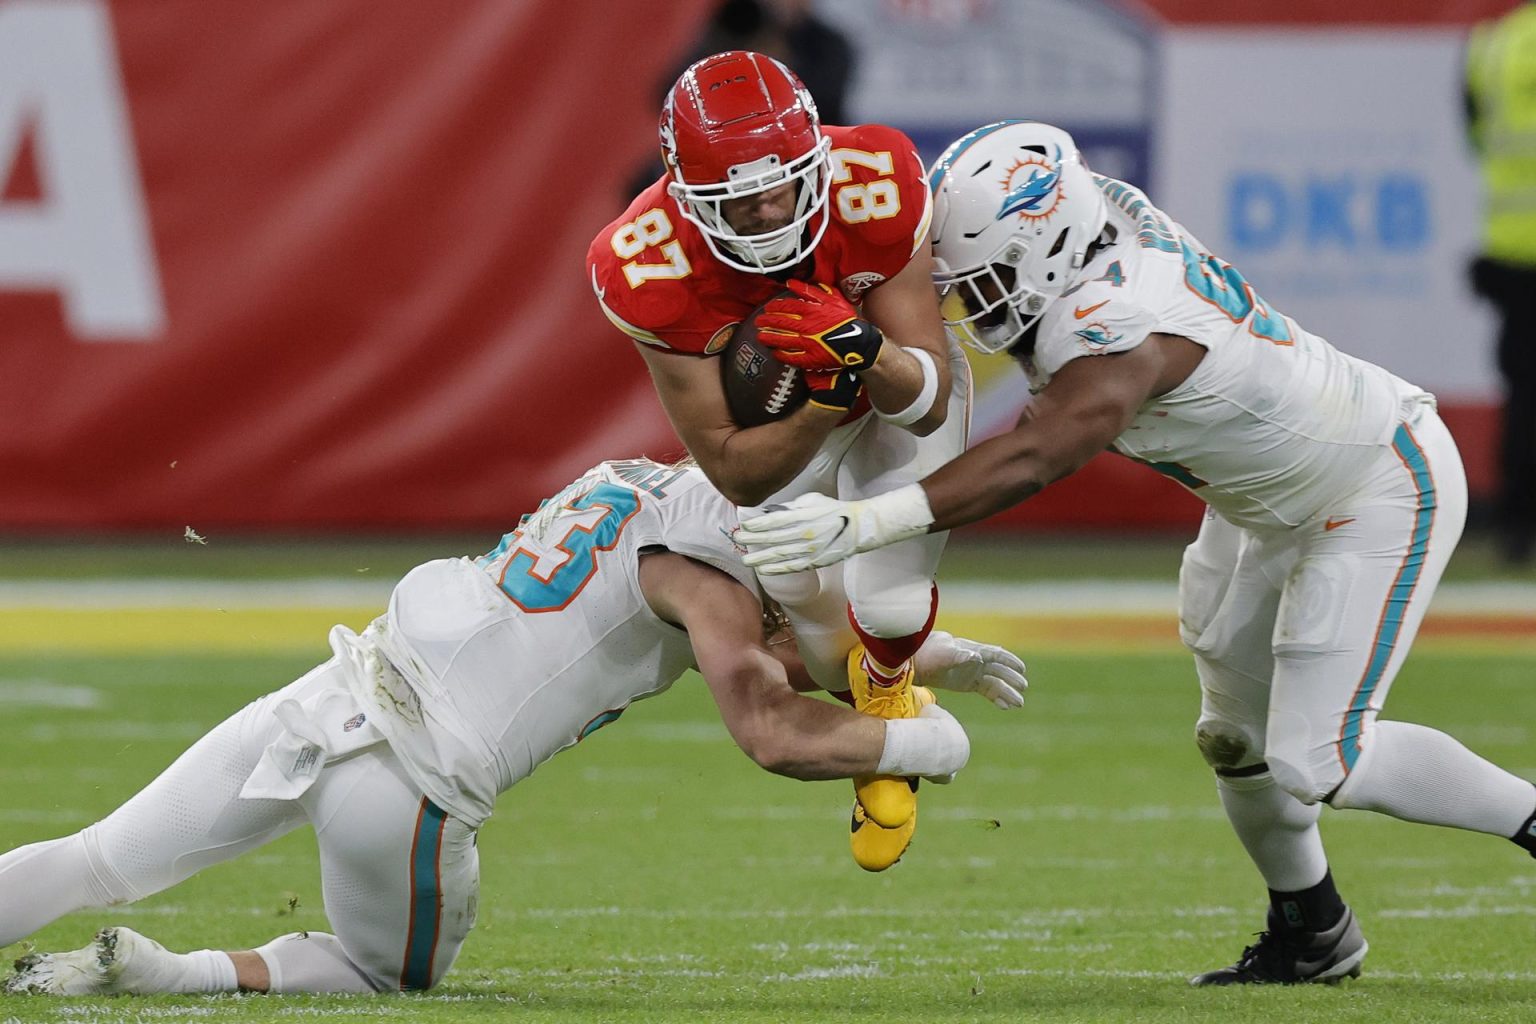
(395, 749)
(1336, 498)
(759, 195)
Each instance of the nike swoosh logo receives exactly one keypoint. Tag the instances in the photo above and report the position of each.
(1082, 311)
(840, 529)
(1334, 524)
(846, 331)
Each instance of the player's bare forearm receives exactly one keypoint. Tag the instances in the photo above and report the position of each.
(784, 732)
(786, 651)
(822, 740)
(781, 730)
(751, 464)
(746, 464)
(995, 475)
(896, 381)
(1076, 416)
(907, 313)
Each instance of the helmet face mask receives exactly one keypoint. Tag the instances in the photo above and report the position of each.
(988, 306)
(1015, 210)
(709, 206)
(735, 126)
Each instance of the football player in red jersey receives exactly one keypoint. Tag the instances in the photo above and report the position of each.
(758, 197)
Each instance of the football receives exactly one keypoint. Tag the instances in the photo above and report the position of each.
(758, 388)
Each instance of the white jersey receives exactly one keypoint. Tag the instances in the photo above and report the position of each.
(484, 668)
(1273, 425)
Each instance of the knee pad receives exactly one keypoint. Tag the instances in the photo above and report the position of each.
(896, 611)
(1296, 777)
(1227, 747)
(1306, 770)
(792, 589)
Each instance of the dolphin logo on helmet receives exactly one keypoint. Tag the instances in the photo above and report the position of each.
(1027, 199)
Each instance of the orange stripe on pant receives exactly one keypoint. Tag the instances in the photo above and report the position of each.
(1389, 628)
(425, 914)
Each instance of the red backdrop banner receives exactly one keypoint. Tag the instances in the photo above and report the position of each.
(368, 225)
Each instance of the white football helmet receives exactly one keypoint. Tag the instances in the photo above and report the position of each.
(1014, 212)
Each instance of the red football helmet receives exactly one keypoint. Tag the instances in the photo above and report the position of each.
(737, 124)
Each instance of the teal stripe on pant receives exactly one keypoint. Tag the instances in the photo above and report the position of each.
(426, 897)
(1408, 573)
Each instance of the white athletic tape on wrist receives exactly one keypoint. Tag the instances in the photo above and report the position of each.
(896, 516)
(923, 746)
(925, 396)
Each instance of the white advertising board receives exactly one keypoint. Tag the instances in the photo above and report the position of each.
(1331, 169)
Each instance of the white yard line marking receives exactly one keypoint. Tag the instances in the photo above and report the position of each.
(40, 693)
(1454, 913)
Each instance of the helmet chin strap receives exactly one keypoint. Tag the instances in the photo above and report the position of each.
(773, 253)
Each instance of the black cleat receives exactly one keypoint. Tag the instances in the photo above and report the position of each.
(1292, 958)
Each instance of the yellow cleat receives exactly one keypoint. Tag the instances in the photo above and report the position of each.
(888, 800)
(876, 848)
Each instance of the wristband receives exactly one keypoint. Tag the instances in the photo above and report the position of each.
(925, 396)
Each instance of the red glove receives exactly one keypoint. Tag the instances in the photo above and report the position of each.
(818, 329)
(833, 389)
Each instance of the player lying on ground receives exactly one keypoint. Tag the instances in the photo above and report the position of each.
(396, 748)
(757, 195)
(1336, 498)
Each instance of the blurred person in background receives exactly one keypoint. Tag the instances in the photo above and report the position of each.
(760, 201)
(1336, 496)
(396, 749)
(818, 52)
(788, 31)
(1501, 123)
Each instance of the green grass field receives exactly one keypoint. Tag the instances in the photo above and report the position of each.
(1078, 870)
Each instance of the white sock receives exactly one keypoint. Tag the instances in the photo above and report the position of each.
(312, 962)
(1420, 774)
(1279, 831)
(148, 968)
(208, 970)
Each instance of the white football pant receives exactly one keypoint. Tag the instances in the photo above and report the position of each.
(400, 878)
(1298, 635)
(891, 589)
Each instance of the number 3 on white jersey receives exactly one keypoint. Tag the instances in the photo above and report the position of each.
(653, 227)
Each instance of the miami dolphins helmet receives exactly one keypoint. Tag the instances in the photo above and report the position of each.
(1014, 212)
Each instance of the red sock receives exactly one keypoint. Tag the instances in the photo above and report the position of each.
(885, 657)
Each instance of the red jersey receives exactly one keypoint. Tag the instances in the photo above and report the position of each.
(658, 282)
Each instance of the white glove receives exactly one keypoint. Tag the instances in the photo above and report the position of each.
(814, 530)
(948, 662)
(932, 746)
